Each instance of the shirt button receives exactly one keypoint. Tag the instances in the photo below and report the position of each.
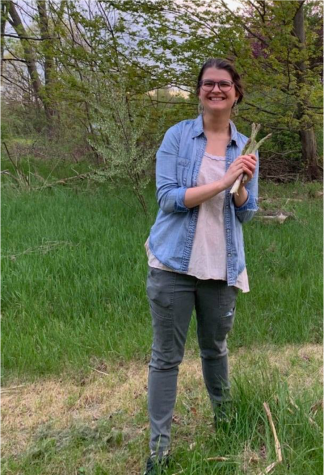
(229, 254)
(227, 206)
(228, 230)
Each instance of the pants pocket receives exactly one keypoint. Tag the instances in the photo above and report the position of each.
(160, 292)
(163, 333)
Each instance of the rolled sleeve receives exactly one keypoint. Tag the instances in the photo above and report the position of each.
(171, 200)
(170, 195)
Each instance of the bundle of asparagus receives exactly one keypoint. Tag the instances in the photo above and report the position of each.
(251, 146)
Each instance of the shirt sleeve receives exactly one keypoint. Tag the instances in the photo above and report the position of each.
(170, 195)
(248, 209)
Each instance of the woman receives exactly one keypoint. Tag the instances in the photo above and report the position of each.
(195, 248)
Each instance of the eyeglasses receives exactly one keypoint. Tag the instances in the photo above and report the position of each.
(208, 85)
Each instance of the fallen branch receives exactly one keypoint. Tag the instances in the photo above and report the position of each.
(12, 388)
(6, 172)
(277, 443)
(21, 177)
(43, 249)
(269, 468)
(251, 146)
(98, 371)
(63, 181)
(278, 216)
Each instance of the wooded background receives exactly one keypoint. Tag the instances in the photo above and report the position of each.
(85, 79)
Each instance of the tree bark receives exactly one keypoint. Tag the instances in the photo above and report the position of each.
(3, 12)
(49, 72)
(16, 23)
(306, 132)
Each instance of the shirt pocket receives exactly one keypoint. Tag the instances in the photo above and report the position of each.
(182, 170)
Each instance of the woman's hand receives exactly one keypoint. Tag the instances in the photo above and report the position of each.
(199, 194)
(242, 164)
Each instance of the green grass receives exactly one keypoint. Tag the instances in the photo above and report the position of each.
(73, 297)
(74, 272)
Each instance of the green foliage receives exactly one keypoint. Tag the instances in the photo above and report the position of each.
(281, 75)
(149, 45)
(5, 131)
(121, 122)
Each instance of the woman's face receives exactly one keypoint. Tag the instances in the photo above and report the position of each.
(216, 100)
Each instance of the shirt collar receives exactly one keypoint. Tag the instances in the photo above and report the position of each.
(198, 129)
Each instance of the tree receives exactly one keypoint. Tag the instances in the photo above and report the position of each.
(29, 53)
(266, 41)
(306, 130)
(121, 122)
(4, 17)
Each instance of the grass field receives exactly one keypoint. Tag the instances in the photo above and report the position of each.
(75, 267)
(77, 336)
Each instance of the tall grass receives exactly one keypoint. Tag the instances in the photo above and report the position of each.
(74, 271)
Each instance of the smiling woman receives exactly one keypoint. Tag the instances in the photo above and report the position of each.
(195, 248)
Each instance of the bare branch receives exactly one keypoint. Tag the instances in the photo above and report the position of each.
(14, 59)
(29, 37)
(244, 25)
(15, 84)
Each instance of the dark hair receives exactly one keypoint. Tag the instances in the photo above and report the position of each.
(228, 66)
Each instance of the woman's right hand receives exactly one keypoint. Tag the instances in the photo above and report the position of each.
(242, 164)
(199, 194)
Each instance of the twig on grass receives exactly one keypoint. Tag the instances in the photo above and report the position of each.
(6, 172)
(278, 216)
(63, 181)
(43, 249)
(11, 388)
(277, 443)
(270, 467)
(97, 370)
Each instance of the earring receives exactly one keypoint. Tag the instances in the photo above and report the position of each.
(200, 108)
(235, 109)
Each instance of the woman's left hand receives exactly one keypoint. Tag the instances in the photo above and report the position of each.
(249, 165)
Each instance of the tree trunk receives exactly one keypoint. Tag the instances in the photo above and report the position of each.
(306, 132)
(49, 72)
(4, 14)
(309, 153)
(16, 23)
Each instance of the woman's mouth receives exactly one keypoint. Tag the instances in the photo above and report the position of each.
(216, 99)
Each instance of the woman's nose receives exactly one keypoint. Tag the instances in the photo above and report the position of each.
(216, 85)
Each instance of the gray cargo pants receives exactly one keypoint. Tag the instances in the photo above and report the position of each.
(172, 297)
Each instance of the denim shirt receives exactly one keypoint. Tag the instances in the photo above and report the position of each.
(178, 162)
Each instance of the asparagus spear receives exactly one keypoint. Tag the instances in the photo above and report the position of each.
(251, 146)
